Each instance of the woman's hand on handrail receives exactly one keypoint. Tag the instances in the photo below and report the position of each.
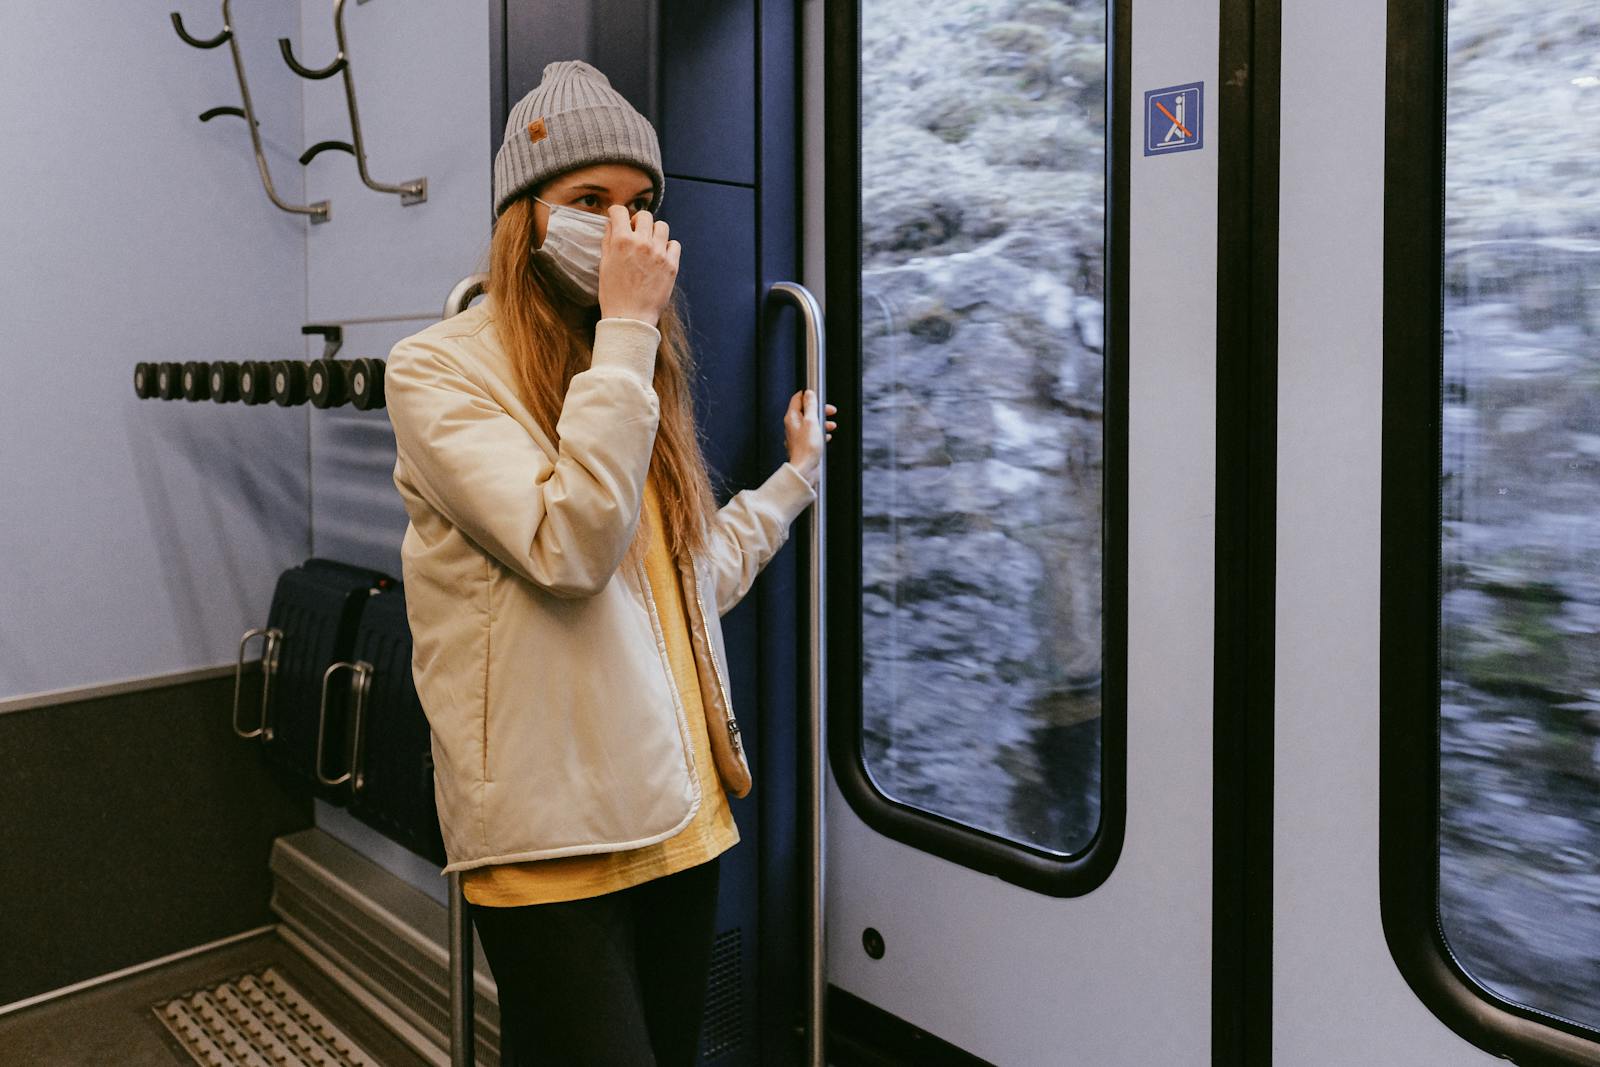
(804, 434)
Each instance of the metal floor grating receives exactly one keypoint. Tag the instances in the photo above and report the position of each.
(257, 1020)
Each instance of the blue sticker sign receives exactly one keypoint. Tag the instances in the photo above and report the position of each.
(1173, 119)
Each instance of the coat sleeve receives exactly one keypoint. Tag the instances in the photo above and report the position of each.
(750, 528)
(564, 524)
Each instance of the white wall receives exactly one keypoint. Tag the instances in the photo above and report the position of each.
(421, 69)
(139, 537)
(1338, 997)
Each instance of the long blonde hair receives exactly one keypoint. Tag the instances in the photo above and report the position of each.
(547, 353)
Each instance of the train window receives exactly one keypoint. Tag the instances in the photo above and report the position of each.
(1499, 502)
(981, 340)
(1519, 731)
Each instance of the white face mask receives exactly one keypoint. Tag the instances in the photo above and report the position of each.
(572, 246)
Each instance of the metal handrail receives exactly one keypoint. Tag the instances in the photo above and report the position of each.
(811, 314)
(463, 1039)
(465, 292)
(463, 997)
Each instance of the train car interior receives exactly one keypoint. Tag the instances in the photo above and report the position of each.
(1186, 651)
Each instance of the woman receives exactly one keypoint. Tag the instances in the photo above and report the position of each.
(563, 558)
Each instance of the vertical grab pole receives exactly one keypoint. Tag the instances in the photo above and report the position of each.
(811, 313)
(463, 1049)
(463, 1007)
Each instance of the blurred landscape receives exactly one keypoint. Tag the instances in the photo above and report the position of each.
(983, 214)
(1520, 621)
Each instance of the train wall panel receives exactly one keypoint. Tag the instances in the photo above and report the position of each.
(614, 35)
(781, 595)
(1328, 942)
(422, 79)
(138, 825)
(717, 276)
(141, 537)
(421, 73)
(708, 90)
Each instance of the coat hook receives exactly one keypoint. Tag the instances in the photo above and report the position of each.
(177, 24)
(325, 146)
(319, 211)
(412, 192)
(332, 335)
(208, 115)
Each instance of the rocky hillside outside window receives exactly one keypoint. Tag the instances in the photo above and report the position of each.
(983, 153)
(1519, 692)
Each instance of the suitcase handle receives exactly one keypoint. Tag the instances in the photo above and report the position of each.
(361, 684)
(273, 639)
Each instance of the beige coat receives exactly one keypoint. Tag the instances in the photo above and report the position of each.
(538, 657)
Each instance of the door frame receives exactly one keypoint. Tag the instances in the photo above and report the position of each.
(1035, 869)
(1248, 92)
(1145, 929)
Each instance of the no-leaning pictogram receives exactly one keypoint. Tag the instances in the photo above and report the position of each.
(1174, 119)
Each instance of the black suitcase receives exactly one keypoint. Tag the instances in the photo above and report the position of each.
(392, 774)
(316, 610)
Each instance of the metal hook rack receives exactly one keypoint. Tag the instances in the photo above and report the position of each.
(319, 211)
(411, 192)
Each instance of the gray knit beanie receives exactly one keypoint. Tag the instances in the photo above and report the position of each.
(571, 119)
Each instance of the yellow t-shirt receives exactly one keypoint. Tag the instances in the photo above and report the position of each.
(711, 831)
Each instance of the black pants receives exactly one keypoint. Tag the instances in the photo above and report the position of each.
(618, 979)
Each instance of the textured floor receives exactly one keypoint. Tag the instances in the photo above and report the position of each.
(112, 1025)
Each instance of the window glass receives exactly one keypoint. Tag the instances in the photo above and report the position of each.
(982, 282)
(1519, 836)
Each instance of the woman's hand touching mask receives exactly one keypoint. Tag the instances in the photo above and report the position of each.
(804, 434)
(638, 266)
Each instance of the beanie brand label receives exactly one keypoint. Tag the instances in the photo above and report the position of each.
(537, 131)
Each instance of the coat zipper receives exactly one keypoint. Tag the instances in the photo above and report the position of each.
(716, 668)
(677, 704)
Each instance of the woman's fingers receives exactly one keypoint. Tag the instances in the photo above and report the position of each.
(638, 266)
(616, 220)
(803, 409)
(651, 229)
(803, 405)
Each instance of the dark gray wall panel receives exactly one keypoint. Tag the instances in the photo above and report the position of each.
(716, 225)
(708, 89)
(131, 826)
(617, 36)
(781, 596)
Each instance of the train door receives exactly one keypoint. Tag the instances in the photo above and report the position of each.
(1011, 212)
(1435, 818)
